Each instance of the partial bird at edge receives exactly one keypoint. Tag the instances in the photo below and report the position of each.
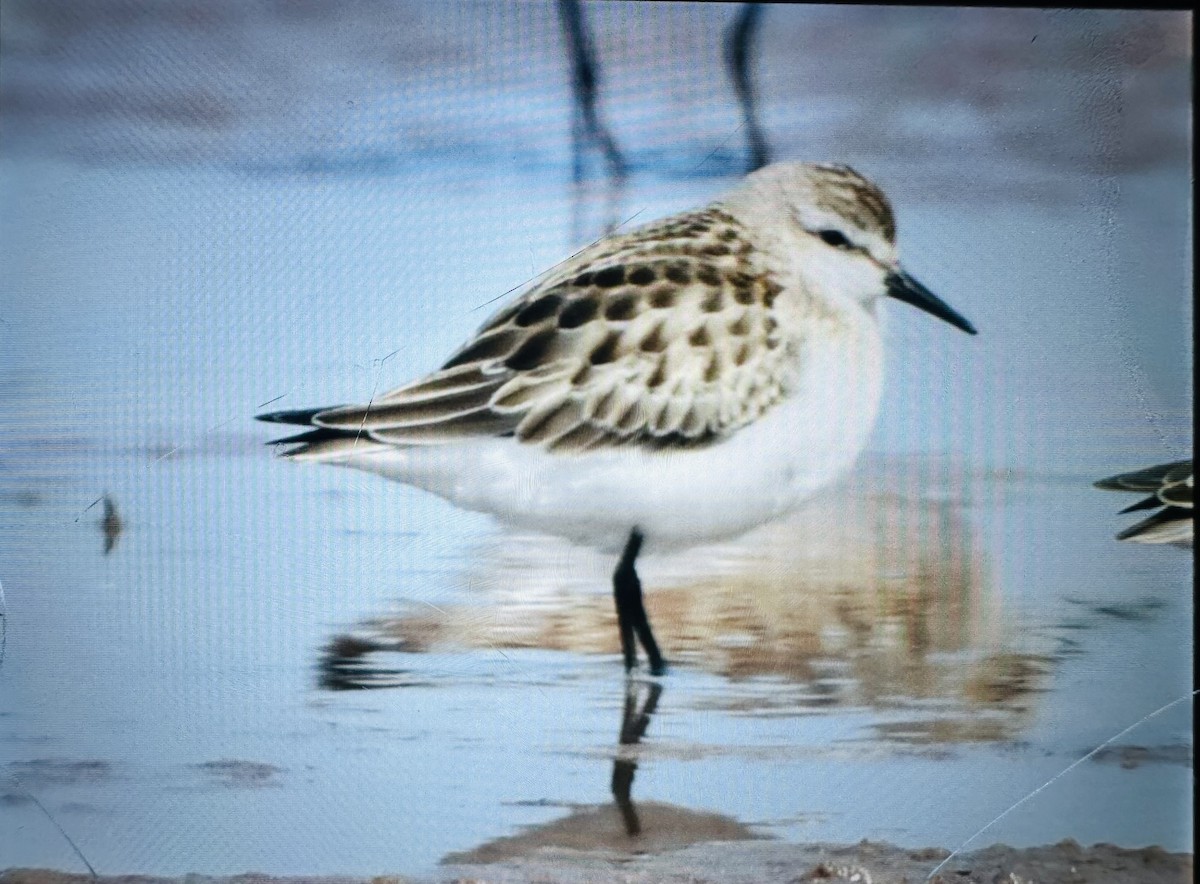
(1169, 490)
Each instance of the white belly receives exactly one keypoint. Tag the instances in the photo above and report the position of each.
(676, 498)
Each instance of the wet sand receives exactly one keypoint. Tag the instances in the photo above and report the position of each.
(747, 862)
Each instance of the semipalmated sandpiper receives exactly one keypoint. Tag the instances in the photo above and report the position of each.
(682, 382)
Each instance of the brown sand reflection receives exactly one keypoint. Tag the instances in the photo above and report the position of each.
(875, 595)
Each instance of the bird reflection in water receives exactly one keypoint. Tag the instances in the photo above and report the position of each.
(352, 662)
(634, 722)
(877, 597)
(620, 827)
(348, 663)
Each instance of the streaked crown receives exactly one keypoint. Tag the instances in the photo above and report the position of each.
(841, 190)
(819, 194)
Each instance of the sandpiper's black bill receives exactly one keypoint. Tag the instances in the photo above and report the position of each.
(904, 288)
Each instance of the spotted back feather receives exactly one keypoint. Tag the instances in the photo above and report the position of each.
(664, 337)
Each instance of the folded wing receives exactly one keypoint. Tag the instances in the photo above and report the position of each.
(664, 337)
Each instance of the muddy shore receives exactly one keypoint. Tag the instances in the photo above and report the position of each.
(756, 862)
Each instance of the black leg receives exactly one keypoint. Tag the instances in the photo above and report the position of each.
(631, 613)
(621, 589)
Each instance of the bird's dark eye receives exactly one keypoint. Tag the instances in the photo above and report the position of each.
(834, 238)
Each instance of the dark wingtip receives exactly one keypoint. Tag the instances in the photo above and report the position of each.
(1130, 533)
(300, 417)
(318, 435)
(1169, 514)
(1144, 504)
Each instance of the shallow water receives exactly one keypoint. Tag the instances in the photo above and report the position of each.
(168, 697)
(903, 659)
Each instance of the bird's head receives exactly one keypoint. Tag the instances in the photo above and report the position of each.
(840, 228)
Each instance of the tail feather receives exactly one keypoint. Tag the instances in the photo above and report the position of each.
(1170, 486)
(1146, 503)
(321, 434)
(315, 442)
(1169, 525)
(302, 417)
(336, 447)
(1150, 479)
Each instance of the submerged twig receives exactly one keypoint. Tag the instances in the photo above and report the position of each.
(111, 524)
